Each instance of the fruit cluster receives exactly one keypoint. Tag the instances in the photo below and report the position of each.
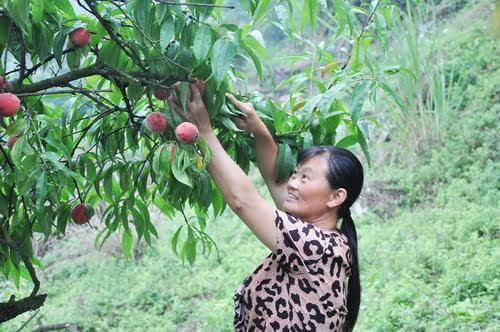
(156, 122)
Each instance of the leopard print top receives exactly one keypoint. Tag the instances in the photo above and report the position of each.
(301, 287)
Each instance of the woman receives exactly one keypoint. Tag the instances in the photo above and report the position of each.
(301, 285)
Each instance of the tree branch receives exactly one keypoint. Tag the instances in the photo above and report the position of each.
(60, 80)
(54, 327)
(195, 4)
(33, 276)
(72, 91)
(365, 26)
(12, 308)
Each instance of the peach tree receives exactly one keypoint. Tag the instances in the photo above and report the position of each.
(83, 117)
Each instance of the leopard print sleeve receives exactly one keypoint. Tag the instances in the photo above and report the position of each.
(299, 245)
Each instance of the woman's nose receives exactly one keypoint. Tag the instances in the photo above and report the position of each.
(292, 182)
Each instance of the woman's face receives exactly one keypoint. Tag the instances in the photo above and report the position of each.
(308, 189)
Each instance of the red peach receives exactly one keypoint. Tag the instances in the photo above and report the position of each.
(79, 37)
(82, 213)
(9, 104)
(156, 122)
(161, 93)
(187, 133)
(11, 141)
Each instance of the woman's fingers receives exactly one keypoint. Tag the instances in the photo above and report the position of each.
(195, 92)
(240, 123)
(239, 105)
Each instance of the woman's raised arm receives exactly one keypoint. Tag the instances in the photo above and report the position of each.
(234, 184)
(265, 148)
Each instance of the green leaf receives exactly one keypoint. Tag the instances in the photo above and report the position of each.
(284, 163)
(19, 10)
(308, 140)
(309, 13)
(255, 59)
(255, 40)
(260, 11)
(17, 150)
(392, 95)
(127, 243)
(4, 205)
(108, 183)
(63, 214)
(161, 11)
(142, 13)
(358, 99)
(167, 32)
(223, 53)
(202, 43)
(174, 240)
(58, 45)
(66, 7)
(110, 53)
(73, 59)
(347, 141)
(59, 147)
(15, 275)
(189, 248)
(41, 190)
(42, 41)
(340, 16)
(179, 171)
(230, 124)
(135, 91)
(16, 127)
(37, 10)
(364, 145)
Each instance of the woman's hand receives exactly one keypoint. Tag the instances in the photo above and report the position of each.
(251, 122)
(196, 111)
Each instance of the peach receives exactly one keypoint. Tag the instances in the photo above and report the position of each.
(161, 93)
(79, 37)
(156, 122)
(82, 213)
(9, 104)
(186, 133)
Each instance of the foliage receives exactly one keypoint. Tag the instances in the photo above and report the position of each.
(460, 166)
(82, 138)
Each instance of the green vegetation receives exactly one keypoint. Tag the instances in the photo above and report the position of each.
(429, 244)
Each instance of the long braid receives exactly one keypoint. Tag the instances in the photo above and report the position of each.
(354, 286)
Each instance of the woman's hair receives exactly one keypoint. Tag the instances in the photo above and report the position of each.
(344, 171)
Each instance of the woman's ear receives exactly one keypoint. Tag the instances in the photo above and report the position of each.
(337, 197)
